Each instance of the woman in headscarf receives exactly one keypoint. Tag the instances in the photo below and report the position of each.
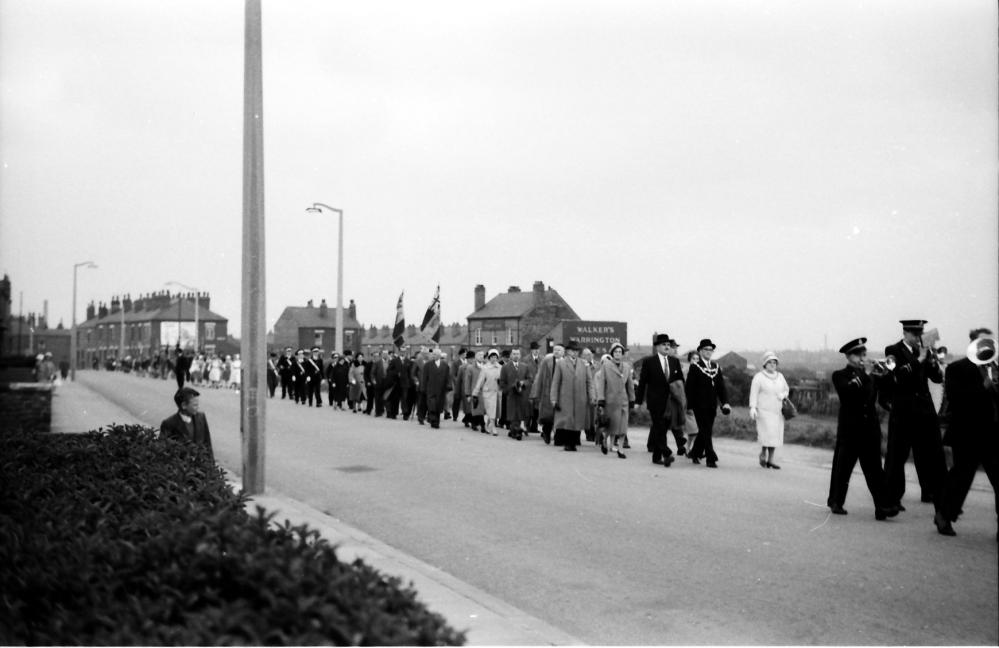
(766, 394)
(487, 390)
(615, 396)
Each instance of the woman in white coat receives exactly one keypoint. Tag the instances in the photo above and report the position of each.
(487, 389)
(766, 394)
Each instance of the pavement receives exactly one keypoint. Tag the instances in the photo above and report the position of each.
(486, 620)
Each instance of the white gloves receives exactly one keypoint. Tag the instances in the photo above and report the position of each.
(752, 413)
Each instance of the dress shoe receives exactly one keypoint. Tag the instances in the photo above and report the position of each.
(626, 446)
(570, 448)
(657, 461)
(518, 436)
(773, 465)
(695, 460)
(712, 464)
(884, 513)
(547, 436)
(668, 460)
(838, 510)
(621, 455)
(681, 451)
(943, 525)
(603, 448)
(901, 508)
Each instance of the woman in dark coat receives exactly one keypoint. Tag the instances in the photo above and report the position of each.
(339, 375)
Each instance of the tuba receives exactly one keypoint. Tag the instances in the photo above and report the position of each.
(982, 351)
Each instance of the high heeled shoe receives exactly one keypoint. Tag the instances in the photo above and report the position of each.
(770, 464)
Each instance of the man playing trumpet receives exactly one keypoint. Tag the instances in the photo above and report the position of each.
(912, 424)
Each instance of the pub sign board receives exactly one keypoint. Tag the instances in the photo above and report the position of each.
(598, 335)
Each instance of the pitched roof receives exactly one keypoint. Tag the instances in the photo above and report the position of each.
(516, 304)
(164, 314)
(308, 317)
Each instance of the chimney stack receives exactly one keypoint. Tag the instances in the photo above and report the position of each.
(91, 311)
(480, 297)
(323, 309)
(514, 289)
(115, 304)
(45, 314)
(539, 292)
(126, 303)
(102, 310)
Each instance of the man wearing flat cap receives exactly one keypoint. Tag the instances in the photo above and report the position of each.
(912, 424)
(705, 390)
(972, 390)
(858, 432)
(659, 371)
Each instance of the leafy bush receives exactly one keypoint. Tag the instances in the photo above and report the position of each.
(120, 538)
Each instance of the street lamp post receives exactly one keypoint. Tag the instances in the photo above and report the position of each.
(196, 295)
(72, 339)
(338, 335)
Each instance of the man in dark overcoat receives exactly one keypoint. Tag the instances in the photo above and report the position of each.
(409, 394)
(314, 377)
(657, 372)
(533, 362)
(436, 383)
(457, 397)
(284, 367)
(973, 406)
(913, 424)
(705, 390)
(393, 385)
(188, 424)
(515, 384)
(417, 379)
(858, 432)
(298, 376)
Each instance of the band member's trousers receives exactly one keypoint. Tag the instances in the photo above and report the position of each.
(919, 435)
(967, 458)
(271, 383)
(866, 449)
(314, 391)
(287, 387)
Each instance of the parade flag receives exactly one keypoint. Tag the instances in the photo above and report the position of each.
(431, 326)
(400, 322)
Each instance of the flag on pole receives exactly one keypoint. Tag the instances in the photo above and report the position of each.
(431, 326)
(400, 322)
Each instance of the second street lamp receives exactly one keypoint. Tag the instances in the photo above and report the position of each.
(72, 339)
(338, 333)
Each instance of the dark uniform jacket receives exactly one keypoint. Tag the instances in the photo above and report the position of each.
(313, 369)
(972, 404)
(298, 372)
(196, 432)
(905, 390)
(858, 415)
(653, 387)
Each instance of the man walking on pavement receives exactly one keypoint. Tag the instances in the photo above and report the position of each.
(436, 384)
(284, 367)
(658, 371)
(514, 384)
(705, 390)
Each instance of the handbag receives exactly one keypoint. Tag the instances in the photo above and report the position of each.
(788, 410)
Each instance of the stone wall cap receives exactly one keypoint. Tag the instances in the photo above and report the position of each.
(26, 386)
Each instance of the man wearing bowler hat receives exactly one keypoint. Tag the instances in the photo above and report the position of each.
(658, 372)
(705, 390)
(912, 424)
(858, 431)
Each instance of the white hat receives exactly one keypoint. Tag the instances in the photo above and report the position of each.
(768, 356)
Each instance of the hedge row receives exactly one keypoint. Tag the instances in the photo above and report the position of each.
(119, 538)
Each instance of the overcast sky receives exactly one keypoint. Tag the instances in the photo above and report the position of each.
(761, 173)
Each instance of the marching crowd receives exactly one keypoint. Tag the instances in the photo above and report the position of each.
(570, 392)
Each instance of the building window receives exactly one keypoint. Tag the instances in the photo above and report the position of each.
(495, 338)
(348, 339)
(509, 336)
(209, 330)
(477, 339)
(317, 338)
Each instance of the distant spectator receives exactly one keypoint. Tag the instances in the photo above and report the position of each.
(766, 395)
(188, 424)
(64, 368)
(46, 368)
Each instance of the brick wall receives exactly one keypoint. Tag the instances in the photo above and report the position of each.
(26, 406)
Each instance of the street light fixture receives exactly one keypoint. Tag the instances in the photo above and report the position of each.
(72, 338)
(338, 334)
(195, 291)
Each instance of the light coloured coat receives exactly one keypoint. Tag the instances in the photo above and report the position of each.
(572, 391)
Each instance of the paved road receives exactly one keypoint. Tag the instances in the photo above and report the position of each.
(621, 551)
